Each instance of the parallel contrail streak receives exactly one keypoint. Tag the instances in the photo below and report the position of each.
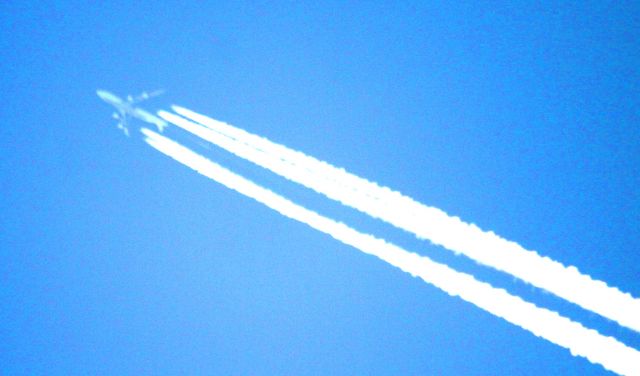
(425, 222)
(580, 341)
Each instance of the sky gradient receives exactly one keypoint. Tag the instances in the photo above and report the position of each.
(116, 260)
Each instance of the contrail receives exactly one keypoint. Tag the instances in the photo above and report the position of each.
(427, 223)
(580, 341)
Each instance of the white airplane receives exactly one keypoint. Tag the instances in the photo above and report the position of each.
(126, 108)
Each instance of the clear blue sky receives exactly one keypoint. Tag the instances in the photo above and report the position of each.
(116, 260)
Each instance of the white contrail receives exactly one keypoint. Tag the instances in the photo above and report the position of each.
(580, 341)
(424, 221)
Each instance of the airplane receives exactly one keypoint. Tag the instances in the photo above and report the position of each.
(127, 109)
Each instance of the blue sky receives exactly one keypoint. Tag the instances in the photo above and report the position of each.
(116, 260)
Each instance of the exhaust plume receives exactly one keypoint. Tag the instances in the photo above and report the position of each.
(580, 341)
(425, 222)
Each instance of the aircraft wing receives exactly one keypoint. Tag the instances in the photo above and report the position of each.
(145, 95)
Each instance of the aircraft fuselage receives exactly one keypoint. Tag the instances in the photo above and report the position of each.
(126, 108)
